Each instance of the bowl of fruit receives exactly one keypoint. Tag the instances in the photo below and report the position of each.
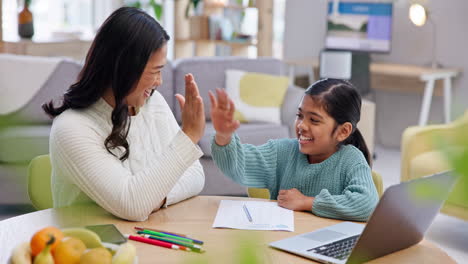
(79, 245)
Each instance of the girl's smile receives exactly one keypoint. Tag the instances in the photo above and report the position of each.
(317, 132)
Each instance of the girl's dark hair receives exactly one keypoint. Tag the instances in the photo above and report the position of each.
(116, 60)
(342, 102)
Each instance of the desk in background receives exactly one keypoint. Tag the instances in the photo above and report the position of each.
(400, 78)
(194, 217)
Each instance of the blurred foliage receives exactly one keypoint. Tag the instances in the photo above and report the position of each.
(157, 7)
(448, 142)
(248, 249)
(191, 3)
(457, 157)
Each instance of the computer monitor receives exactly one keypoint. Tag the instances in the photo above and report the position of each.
(359, 25)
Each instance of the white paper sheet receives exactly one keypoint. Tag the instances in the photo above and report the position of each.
(264, 215)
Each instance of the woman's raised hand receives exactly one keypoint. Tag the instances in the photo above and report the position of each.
(193, 113)
(222, 116)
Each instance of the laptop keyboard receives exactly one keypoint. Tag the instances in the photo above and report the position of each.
(339, 249)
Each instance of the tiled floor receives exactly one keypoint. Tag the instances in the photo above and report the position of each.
(449, 233)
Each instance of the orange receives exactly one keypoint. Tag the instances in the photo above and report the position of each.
(69, 251)
(96, 256)
(41, 237)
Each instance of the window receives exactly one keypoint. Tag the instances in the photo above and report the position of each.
(51, 16)
(278, 27)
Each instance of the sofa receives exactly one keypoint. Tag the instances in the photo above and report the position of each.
(25, 132)
(25, 83)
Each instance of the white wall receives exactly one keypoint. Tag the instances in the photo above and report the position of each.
(305, 29)
(413, 44)
(304, 32)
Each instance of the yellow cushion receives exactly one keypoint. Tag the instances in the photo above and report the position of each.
(427, 163)
(258, 193)
(433, 162)
(257, 96)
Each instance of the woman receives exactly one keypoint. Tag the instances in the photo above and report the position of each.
(114, 139)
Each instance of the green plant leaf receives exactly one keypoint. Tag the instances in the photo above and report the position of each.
(190, 3)
(157, 11)
(157, 8)
(195, 3)
(187, 9)
(135, 4)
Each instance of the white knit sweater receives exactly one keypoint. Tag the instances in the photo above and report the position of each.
(163, 161)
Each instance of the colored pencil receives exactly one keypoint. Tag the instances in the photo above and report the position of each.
(160, 231)
(185, 239)
(169, 233)
(156, 242)
(175, 241)
(195, 248)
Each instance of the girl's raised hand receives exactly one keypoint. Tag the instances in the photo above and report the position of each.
(222, 116)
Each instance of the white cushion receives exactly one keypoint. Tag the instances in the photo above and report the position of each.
(257, 96)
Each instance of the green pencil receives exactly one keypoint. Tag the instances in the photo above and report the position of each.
(149, 232)
(193, 247)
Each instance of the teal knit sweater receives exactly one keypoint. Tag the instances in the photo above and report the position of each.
(342, 184)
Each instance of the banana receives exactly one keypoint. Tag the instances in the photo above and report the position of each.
(125, 254)
(21, 254)
(89, 238)
(45, 257)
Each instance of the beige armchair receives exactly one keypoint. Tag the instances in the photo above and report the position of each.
(420, 157)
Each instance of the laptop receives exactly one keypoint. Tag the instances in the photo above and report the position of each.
(399, 220)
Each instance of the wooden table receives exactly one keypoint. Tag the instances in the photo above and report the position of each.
(194, 217)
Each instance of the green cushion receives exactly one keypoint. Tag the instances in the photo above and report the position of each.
(39, 189)
(20, 144)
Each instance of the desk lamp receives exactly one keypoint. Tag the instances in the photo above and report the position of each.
(418, 14)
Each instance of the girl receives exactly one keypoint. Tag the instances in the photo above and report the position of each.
(325, 170)
(114, 140)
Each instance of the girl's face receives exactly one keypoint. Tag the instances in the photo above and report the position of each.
(149, 79)
(316, 132)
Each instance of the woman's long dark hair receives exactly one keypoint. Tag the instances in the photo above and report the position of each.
(343, 103)
(116, 60)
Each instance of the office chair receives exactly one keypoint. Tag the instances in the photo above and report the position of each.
(39, 190)
(263, 193)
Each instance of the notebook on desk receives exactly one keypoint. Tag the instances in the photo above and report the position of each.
(400, 220)
(253, 215)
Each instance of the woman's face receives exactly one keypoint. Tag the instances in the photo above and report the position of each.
(150, 78)
(315, 131)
